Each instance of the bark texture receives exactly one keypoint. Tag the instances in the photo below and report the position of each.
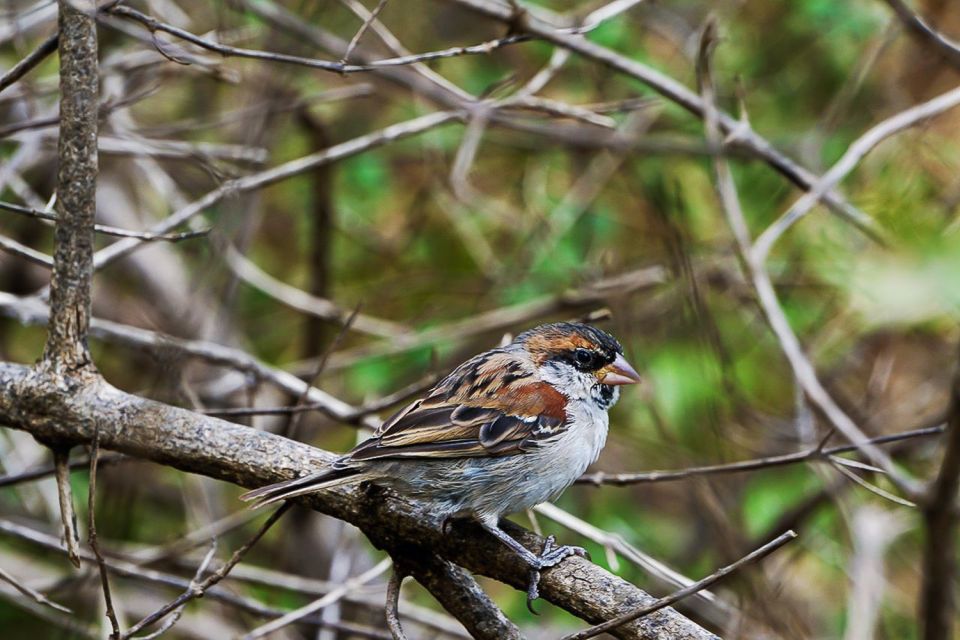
(65, 410)
(66, 346)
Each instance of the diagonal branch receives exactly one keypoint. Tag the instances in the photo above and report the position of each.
(31, 401)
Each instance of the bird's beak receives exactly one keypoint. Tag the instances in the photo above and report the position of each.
(618, 372)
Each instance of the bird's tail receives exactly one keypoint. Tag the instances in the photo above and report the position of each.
(300, 486)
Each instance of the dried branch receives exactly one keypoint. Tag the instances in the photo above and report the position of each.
(355, 40)
(33, 594)
(198, 589)
(49, 470)
(13, 247)
(105, 229)
(92, 536)
(391, 609)
(68, 516)
(154, 25)
(334, 596)
(32, 311)
(270, 176)
(719, 574)
(458, 592)
(303, 301)
(30, 61)
(803, 368)
(810, 455)
(850, 159)
(218, 449)
(741, 132)
(923, 32)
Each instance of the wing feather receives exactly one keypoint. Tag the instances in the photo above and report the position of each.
(473, 413)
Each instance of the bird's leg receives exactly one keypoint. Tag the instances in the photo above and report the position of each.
(550, 555)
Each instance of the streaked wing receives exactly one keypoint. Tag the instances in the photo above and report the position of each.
(490, 405)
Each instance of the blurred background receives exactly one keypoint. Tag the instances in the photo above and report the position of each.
(567, 190)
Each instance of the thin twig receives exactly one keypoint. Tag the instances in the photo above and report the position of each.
(32, 59)
(803, 368)
(108, 230)
(762, 552)
(362, 30)
(13, 247)
(919, 28)
(33, 594)
(305, 302)
(92, 535)
(850, 159)
(197, 590)
(155, 25)
(294, 420)
(61, 459)
(49, 470)
(334, 596)
(392, 606)
(624, 479)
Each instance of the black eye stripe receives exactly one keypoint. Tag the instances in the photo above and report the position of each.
(586, 359)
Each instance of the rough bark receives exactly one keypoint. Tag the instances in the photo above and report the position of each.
(65, 410)
(66, 346)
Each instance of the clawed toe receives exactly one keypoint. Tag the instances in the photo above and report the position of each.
(550, 556)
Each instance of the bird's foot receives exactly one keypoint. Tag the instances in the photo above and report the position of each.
(551, 555)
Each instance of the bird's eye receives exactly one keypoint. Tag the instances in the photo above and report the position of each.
(583, 357)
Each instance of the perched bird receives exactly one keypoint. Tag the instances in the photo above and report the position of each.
(506, 430)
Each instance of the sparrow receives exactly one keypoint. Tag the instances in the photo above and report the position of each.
(506, 430)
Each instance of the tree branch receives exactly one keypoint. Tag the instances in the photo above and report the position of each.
(938, 595)
(32, 400)
(66, 346)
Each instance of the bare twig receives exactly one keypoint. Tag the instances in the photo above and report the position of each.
(623, 479)
(334, 596)
(362, 30)
(31, 593)
(105, 229)
(392, 607)
(198, 589)
(49, 470)
(155, 25)
(924, 33)
(26, 64)
(803, 368)
(303, 301)
(676, 92)
(270, 176)
(854, 154)
(32, 311)
(15, 248)
(68, 517)
(293, 420)
(92, 536)
(762, 552)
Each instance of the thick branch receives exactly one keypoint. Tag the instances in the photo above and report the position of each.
(76, 189)
(937, 603)
(36, 402)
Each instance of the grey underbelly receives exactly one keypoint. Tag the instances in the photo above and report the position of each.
(479, 486)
